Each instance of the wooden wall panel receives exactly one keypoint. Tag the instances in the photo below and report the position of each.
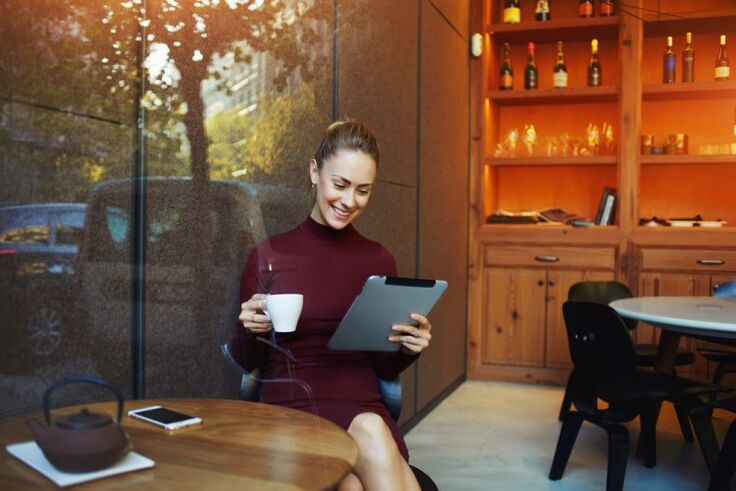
(443, 194)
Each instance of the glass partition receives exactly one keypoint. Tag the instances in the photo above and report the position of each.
(213, 110)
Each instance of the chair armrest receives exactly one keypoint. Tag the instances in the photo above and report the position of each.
(390, 390)
(250, 382)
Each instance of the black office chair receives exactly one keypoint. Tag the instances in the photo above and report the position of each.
(605, 368)
(605, 292)
(721, 464)
(724, 358)
(250, 387)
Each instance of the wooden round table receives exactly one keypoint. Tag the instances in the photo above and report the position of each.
(239, 445)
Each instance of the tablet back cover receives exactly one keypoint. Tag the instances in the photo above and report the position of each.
(383, 302)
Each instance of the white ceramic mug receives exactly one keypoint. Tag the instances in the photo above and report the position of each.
(284, 310)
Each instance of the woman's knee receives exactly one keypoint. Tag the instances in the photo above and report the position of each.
(368, 425)
(351, 483)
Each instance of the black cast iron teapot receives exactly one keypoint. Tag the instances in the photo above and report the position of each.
(84, 441)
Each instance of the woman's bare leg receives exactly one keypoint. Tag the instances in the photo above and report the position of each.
(350, 483)
(380, 464)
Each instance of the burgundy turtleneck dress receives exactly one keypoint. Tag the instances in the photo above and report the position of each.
(329, 268)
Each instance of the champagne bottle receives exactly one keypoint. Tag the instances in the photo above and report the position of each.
(595, 75)
(543, 10)
(506, 74)
(530, 71)
(585, 8)
(559, 75)
(688, 59)
(607, 8)
(511, 12)
(668, 63)
(723, 69)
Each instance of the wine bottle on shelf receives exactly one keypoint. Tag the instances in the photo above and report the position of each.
(511, 12)
(506, 74)
(530, 71)
(723, 69)
(595, 75)
(559, 75)
(585, 8)
(668, 63)
(607, 8)
(543, 10)
(688, 59)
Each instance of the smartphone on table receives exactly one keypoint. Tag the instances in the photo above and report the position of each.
(164, 417)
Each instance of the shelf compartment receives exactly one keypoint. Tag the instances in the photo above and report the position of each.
(556, 30)
(670, 159)
(569, 95)
(525, 161)
(694, 90)
(696, 22)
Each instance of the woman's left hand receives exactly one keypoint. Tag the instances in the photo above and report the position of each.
(413, 339)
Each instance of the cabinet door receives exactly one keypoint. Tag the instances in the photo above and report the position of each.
(514, 316)
(558, 284)
(674, 284)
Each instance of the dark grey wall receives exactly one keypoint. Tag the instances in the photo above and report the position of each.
(402, 67)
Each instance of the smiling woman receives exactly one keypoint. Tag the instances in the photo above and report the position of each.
(327, 261)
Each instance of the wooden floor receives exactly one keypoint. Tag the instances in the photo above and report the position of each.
(502, 436)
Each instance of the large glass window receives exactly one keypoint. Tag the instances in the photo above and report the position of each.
(212, 109)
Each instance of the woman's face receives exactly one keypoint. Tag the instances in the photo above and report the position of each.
(344, 185)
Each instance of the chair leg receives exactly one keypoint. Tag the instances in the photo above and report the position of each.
(647, 447)
(702, 418)
(724, 470)
(568, 434)
(684, 420)
(618, 454)
(566, 402)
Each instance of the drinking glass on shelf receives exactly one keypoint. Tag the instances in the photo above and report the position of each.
(552, 146)
(565, 144)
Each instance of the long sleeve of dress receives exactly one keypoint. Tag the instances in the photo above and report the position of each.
(390, 365)
(245, 347)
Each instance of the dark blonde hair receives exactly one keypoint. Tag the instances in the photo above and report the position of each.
(347, 135)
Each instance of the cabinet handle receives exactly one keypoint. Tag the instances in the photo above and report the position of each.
(551, 283)
(546, 259)
(540, 282)
(711, 262)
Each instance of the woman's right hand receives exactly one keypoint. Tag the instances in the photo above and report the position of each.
(252, 315)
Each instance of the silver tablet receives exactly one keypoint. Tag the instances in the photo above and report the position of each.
(383, 302)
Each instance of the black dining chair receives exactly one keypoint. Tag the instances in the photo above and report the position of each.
(721, 463)
(390, 390)
(605, 369)
(605, 292)
(720, 355)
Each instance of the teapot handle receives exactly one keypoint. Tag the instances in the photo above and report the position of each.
(80, 378)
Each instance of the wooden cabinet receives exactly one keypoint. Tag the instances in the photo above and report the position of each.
(523, 292)
(514, 315)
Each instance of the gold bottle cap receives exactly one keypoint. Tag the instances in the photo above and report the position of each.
(669, 41)
(594, 45)
(688, 37)
(723, 39)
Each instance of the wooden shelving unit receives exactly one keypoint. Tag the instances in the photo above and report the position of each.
(567, 95)
(556, 30)
(524, 161)
(515, 329)
(687, 159)
(689, 91)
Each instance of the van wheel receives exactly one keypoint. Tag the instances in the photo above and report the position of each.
(44, 329)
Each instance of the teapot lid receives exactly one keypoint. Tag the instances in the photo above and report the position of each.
(83, 420)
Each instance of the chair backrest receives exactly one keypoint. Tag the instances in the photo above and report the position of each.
(603, 292)
(250, 385)
(600, 347)
(727, 289)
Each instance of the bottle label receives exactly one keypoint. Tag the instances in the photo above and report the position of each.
(586, 9)
(512, 15)
(507, 81)
(669, 63)
(595, 79)
(542, 7)
(559, 79)
(723, 71)
(606, 9)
